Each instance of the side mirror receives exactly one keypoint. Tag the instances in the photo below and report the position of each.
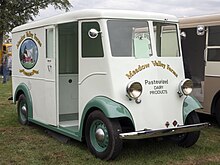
(93, 33)
(200, 30)
(183, 35)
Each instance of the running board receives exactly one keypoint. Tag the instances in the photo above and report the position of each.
(163, 132)
(69, 123)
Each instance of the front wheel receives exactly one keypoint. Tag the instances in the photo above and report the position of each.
(22, 109)
(102, 136)
(190, 138)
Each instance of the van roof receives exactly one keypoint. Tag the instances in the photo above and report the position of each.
(95, 14)
(206, 20)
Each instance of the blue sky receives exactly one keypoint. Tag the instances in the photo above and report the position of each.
(175, 7)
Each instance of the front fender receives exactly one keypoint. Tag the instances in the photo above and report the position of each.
(110, 108)
(190, 104)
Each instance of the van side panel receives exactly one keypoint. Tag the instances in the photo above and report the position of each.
(30, 68)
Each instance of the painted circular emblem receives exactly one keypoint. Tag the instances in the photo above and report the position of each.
(28, 53)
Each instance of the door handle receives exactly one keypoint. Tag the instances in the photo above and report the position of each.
(49, 67)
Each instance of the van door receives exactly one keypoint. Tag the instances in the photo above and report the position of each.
(212, 68)
(68, 75)
(92, 64)
(51, 116)
(193, 48)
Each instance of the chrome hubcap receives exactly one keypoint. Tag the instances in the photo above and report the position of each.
(23, 109)
(100, 135)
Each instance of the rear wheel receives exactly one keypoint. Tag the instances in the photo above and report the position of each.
(102, 136)
(22, 109)
(190, 138)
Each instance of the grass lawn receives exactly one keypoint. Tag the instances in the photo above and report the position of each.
(31, 145)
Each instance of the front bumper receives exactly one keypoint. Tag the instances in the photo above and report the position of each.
(163, 132)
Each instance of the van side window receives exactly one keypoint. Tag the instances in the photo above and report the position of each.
(49, 43)
(213, 44)
(213, 32)
(91, 47)
(213, 54)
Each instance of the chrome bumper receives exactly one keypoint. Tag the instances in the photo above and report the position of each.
(163, 132)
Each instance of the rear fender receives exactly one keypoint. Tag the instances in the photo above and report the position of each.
(23, 89)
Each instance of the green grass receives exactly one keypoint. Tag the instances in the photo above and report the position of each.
(31, 145)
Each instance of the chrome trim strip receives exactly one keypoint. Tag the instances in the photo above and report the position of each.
(209, 75)
(90, 75)
(163, 132)
(33, 78)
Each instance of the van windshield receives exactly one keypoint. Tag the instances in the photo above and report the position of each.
(166, 39)
(129, 38)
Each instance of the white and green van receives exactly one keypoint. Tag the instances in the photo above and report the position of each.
(104, 76)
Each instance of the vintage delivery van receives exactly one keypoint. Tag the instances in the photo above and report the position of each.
(104, 76)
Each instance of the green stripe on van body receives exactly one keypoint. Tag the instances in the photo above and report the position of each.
(23, 89)
(190, 104)
(109, 107)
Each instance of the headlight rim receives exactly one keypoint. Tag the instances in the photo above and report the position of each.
(129, 91)
(186, 83)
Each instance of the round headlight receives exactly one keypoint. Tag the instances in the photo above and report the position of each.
(134, 90)
(186, 86)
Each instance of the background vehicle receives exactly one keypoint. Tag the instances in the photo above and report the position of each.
(8, 48)
(104, 76)
(201, 53)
